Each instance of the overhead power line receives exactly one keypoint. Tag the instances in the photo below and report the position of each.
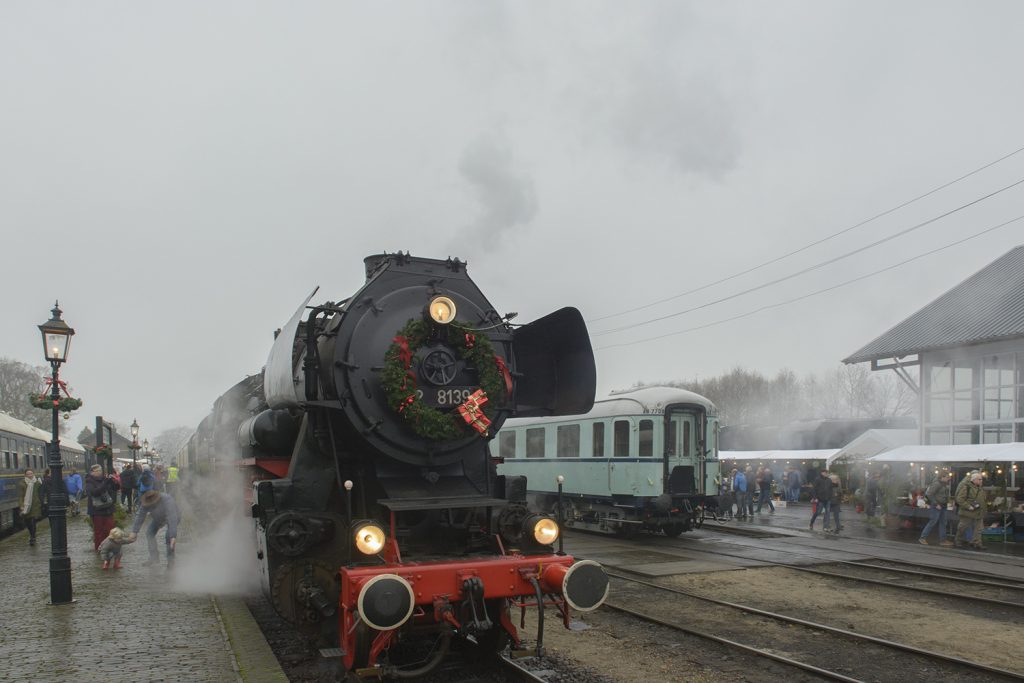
(810, 244)
(820, 291)
(816, 266)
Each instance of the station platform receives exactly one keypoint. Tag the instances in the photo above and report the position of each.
(135, 624)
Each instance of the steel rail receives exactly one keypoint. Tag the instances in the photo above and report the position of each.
(919, 589)
(517, 670)
(1019, 585)
(832, 629)
(732, 643)
(892, 569)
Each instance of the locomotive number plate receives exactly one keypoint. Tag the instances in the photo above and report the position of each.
(446, 397)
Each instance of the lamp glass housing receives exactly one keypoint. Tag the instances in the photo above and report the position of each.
(369, 539)
(55, 346)
(135, 430)
(442, 310)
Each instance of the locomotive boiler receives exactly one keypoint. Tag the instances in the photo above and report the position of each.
(383, 529)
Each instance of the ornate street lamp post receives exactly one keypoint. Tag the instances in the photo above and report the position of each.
(145, 447)
(135, 442)
(56, 342)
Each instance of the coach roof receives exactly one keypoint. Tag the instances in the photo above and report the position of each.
(646, 401)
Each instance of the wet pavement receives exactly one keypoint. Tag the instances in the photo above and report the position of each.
(126, 625)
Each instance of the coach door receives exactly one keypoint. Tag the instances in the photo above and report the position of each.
(680, 461)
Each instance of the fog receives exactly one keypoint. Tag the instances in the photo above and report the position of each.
(181, 175)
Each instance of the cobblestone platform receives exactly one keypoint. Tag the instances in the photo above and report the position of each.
(126, 625)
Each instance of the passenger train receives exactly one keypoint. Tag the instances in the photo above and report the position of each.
(382, 528)
(645, 459)
(22, 447)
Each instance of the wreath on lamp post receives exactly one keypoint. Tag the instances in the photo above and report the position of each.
(399, 381)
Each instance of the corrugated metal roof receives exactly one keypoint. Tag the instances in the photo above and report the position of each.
(988, 306)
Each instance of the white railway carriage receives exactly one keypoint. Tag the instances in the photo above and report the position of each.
(22, 447)
(643, 459)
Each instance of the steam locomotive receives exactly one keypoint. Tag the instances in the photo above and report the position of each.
(383, 529)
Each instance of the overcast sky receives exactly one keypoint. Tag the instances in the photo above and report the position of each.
(180, 175)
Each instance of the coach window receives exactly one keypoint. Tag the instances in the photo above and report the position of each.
(646, 438)
(686, 439)
(507, 444)
(568, 441)
(620, 447)
(598, 440)
(535, 443)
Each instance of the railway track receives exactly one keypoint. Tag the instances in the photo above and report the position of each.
(1008, 590)
(769, 634)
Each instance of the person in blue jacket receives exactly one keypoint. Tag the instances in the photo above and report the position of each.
(75, 488)
(739, 487)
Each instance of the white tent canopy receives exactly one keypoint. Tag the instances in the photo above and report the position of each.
(873, 442)
(990, 452)
(778, 455)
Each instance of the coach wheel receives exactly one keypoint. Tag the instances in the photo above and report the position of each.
(626, 529)
(673, 530)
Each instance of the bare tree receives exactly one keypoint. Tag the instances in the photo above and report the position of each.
(170, 441)
(19, 381)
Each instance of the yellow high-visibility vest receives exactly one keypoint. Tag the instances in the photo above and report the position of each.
(172, 475)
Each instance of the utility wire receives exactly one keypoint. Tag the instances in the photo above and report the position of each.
(811, 244)
(820, 291)
(811, 268)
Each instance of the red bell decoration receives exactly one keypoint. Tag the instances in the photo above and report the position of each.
(472, 412)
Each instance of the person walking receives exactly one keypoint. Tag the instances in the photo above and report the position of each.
(162, 511)
(172, 478)
(822, 494)
(128, 487)
(767, 479)
(970, 503)
(834, 503)
(791, 479)
(102, 492)
(30, 496)
(739, 488)
(871, 491)
(751, 481)
(73, 482)
(937, 497)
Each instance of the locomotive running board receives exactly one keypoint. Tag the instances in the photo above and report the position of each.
(401, 504)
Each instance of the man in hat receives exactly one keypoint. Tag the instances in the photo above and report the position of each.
(970, 503)
(937, 497)
(162, 510)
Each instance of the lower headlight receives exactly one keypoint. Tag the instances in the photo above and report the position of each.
(544, 529)
(369, 539)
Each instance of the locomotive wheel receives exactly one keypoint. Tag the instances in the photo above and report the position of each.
(284, 592)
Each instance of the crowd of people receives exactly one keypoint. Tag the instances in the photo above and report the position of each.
(746, 488)
(146, 492)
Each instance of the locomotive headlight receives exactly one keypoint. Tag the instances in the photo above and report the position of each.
(442, 310)
(544, 529)
(369, 539)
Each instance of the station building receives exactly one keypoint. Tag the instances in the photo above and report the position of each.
(968, 347)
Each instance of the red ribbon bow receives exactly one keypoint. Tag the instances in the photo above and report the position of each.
(404, 354)
(472, 412)
(503, 369)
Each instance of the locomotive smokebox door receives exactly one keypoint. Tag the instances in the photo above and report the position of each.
(555, 363)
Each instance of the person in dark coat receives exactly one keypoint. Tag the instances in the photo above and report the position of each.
(970, 505)
(128, 487)
(30, 498)
(102, 493)
(823, 494)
